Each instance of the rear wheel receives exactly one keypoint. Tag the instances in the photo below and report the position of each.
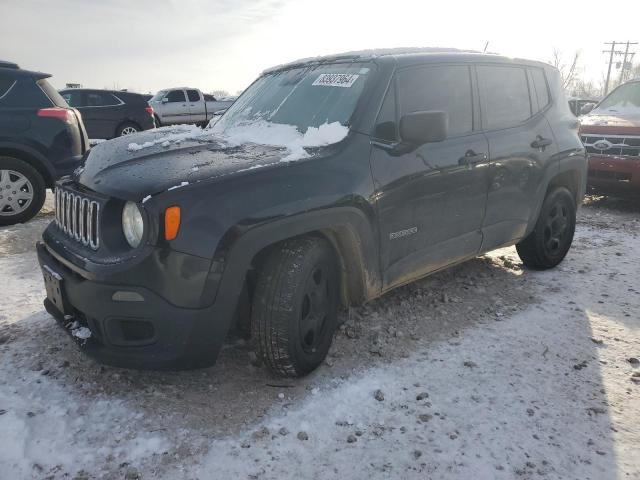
(551, 239)
(295, 306)
(22, 191)
(127, 129)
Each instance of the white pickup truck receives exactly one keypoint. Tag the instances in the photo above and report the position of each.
(186, 105)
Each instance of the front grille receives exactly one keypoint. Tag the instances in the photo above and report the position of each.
(78, 217)
(619, 145)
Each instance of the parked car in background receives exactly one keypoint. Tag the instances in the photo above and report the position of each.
(357, 174)
(110, 113)
(576, 104)
(186, 105)
(611, 135)
(41, 139)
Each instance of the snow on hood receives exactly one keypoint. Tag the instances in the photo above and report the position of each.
(255, 131)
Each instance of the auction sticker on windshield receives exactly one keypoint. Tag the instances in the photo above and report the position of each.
(336, 80)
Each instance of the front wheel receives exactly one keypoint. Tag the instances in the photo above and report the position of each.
(22, 191)
(295, 306)
(551, 239)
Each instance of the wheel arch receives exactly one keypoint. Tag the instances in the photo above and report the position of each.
(123, 123)
(33, 158)
(348, 229)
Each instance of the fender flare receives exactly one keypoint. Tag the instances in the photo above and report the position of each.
(352, 233)
(573, 162)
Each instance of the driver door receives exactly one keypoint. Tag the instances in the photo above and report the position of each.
(431, 199)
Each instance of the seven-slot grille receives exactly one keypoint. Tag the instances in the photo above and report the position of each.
(77, 216)
(621, 145)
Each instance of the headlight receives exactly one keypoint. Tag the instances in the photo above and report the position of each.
(132, 224)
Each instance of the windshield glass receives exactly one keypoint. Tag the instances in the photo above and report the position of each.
(624, 98)
(301, 97)
(158, 96)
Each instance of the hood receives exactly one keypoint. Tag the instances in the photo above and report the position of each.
(135, 166)
(611, 122)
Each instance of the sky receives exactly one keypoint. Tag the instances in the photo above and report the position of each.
(147, 45)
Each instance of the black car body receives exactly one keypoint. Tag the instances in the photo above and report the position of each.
(402, 195)
(110, 113)
(41, 139)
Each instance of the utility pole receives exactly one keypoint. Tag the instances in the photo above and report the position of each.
(610, 52)
(624, 62)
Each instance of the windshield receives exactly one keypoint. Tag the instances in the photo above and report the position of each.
(302, 97)
(623, 99)
(158, 96)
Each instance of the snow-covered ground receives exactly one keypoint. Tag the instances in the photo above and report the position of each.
(483, 371)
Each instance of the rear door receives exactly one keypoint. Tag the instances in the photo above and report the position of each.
(430, 200)
(197, 108)
(176, 108)
(102, 112)
(521, 143)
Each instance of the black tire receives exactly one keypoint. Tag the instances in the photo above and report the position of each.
(548, 244)
(295, 306)
(158, 122)
(127, 128)
(35, 187)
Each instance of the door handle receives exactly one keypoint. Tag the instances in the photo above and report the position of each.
(541, 142)
(472, 158)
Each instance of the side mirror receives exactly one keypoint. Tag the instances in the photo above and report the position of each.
(165, 100)
(418, 128)
(586, 108)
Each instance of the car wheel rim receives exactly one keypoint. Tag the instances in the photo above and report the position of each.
(16, 193)
(315, 310)
(556, 227)
(128, 131)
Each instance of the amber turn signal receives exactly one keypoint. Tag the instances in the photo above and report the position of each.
(171, 222)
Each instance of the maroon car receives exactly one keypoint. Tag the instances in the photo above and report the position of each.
(611, 135)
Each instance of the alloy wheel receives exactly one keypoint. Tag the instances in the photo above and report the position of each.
(16, 193)
(315, 308)
(128, 131)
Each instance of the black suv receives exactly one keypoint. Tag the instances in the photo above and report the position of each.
(327, 183)
(41, 139)
(110, 113)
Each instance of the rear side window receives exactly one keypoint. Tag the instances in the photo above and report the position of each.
(443, 88)
(5, 84)
(73, 99)
(506, 95)
(540, 84)
(52, 93)
(176, 96)
(193, 95)
(100, 99)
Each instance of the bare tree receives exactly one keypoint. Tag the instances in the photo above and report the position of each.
(219, 93)
(568, 70)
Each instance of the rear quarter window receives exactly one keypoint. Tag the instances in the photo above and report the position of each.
(5, 85)
(506, 95)
(52, 93)
(540, 85)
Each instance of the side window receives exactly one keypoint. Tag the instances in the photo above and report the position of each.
(176, 96)
(506, 95)
(194, 95)
(5, 84)
(444, 88)
(540, 84)
(73, 99)
(100, 99)
(386, 125)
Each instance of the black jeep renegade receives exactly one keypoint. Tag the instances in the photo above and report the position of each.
(328, 182)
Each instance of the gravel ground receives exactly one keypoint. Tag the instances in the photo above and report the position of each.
(485, 370)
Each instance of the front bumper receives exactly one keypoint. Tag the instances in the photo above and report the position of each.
(614, 174)
(147, 334)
